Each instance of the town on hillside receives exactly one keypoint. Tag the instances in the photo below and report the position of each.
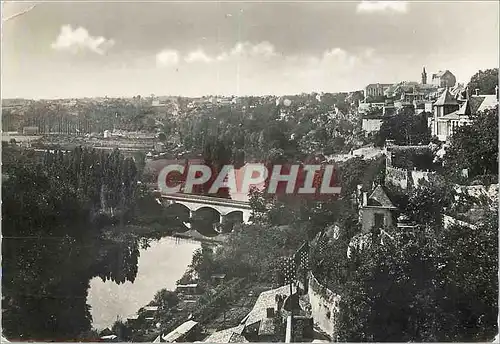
(369, 215)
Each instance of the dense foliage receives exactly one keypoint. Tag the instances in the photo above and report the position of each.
(414, 158)
(429, 283)
(53, 213)
(405, 128)
(254, 126)
(485, 81)
(475, 146)
(424, 286)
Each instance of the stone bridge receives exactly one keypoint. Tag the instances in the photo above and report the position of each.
(220, 210)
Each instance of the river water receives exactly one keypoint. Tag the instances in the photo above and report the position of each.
(160, 266)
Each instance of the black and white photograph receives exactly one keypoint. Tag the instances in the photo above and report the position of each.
(249, 171)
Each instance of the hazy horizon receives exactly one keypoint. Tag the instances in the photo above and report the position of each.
(62, 50)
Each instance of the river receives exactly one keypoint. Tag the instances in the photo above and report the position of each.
(160, 266)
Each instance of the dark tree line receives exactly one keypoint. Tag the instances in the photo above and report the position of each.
(405, 128)
(484, 81)
(53, 213)
(475, 146)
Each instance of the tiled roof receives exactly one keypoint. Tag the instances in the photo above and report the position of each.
(378, 84)
(230, 335)
(475, 103)
(380, 196)
(489, 102)
(446, 99)
(267, 299)
(179, 331)
(439, 74)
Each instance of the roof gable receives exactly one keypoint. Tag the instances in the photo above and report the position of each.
(465, 109)
(489, 102)
(475, 103)
(180, 331)
(266, 299)
(446, 99)
(230, 335)
(380, 196)
(440, 74)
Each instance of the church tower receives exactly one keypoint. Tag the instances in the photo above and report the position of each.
(424, 77)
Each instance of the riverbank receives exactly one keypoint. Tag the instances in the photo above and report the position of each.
(157, 232)
(195, 236)
(159, 266)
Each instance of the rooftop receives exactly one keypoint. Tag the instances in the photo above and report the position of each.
(446, 99)
(489, 101)
(440, 73)
(179, 331)
(151, 308)
(380, 197)
(230, 335)
(379, 84)
(266, 300)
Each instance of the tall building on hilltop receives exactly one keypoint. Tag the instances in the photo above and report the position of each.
(444, 79)
(424, 77)
(376, 90)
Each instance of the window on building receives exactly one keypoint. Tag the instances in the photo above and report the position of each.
(379, 220)
(442, 128)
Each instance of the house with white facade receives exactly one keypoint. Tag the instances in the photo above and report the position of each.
(450, 112)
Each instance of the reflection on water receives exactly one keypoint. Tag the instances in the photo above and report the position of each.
(160, 266)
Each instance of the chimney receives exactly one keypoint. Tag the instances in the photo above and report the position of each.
(359, 187)
(365, 199)
(477, 91)
(467, 95)
(279, 302)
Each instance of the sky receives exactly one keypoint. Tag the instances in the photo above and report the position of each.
(87, 49)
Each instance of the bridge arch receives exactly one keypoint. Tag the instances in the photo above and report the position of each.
(235, 215)
(180, 211)
(207, 212)
(231, 219)
(224, 207)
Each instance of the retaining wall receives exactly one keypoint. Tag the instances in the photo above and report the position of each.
(324, 306)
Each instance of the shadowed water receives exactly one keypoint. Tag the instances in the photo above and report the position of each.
(160, 266)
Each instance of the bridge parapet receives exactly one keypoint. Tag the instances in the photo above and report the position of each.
(196, 202)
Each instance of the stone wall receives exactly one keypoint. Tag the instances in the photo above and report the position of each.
(416, 176)
(396, 176)
(324, 306)
(404, 178)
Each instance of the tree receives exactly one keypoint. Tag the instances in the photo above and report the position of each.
(469, 275)
(165, 300)
(405, 128)
(254, 251)
(203, 262)
(475, 146)
(162, 137)
(58, 203)
(427, 203)
(485, 81)
(424, 285)
(356, 171)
